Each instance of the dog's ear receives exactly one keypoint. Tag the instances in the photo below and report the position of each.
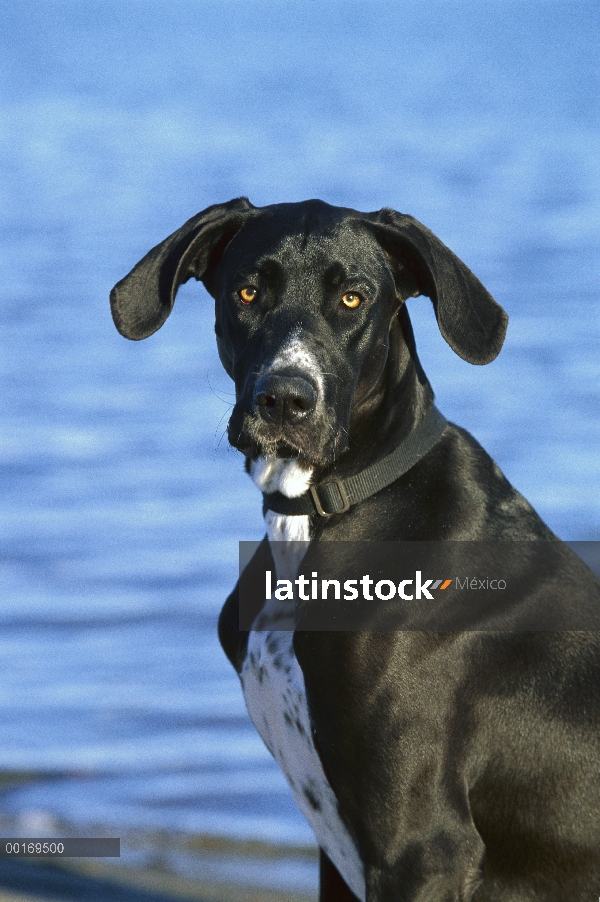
(142, 301)
(470, 320)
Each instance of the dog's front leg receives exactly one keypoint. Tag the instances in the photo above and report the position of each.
(431, 870)
(394, 745)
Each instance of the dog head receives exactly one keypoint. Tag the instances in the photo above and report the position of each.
(306, 295)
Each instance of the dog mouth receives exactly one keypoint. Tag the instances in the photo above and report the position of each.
(255, 439)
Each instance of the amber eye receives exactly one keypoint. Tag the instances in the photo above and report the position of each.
(351, 299)
(248, 294)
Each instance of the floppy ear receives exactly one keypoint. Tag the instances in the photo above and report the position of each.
(470, 320)
(141, 302)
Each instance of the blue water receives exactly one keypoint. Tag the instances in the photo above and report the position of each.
(122, 504)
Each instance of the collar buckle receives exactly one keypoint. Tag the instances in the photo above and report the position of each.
(343, 495)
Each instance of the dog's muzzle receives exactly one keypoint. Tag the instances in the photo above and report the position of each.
(284, 414)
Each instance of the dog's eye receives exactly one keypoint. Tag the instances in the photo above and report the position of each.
(351, 299)
(247, 294)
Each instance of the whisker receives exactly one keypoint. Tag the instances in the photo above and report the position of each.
(223, 434)
(229, 407)
(335, 375)
(215, 391)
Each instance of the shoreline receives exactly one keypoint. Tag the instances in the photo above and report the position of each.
(33, 881)
(155, 865)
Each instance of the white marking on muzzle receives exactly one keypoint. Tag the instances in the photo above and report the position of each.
(294, 354)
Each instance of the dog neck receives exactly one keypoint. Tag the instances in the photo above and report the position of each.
(391, 410)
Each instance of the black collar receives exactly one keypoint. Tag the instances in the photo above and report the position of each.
(338, 495)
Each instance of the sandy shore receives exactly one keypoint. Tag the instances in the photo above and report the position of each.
(33, 881)
(158, 866)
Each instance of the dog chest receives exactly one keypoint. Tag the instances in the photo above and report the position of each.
(273, 687)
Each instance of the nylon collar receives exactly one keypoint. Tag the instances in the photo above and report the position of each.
(339, 495)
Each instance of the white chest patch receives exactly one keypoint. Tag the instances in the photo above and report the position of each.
(275, 694)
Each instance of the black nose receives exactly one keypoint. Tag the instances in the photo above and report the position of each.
(284, 399)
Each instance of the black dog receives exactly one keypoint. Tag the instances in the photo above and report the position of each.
(431, 765)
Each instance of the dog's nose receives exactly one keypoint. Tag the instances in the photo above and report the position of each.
(284, 399)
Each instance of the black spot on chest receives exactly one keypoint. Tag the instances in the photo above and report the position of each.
(311, 798)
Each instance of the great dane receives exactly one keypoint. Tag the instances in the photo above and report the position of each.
(432, 765)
